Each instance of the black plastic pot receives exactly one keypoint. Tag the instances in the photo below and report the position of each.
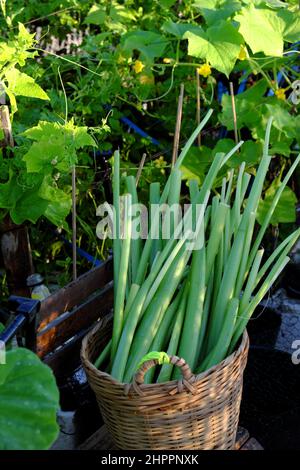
(270, 407)
(79, 416)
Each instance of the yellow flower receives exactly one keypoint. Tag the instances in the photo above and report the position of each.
(243, 54)
(138, 66)
(204, 70)
(166, 60)
(146, 79)
(280, 93)
(160, 163)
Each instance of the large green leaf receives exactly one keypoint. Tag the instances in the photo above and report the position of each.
(28, 207)
(29, 400)
(219, 45)
(247, 106)
(291, 29)
(96, 15)
(217, 10)
(262, 29)
(55, 146)
(285, 211)
(21, 84)
(149, 44)
(178, 29)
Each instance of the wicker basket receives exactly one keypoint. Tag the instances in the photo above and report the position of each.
(197, 412)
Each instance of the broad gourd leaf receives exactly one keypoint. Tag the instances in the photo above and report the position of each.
(285, 211)
(283, 120)
(219, 45)
(29, 400)
(250, 153)
(149, 44)
(247, 106)
(178, 29)
(217, 10)
(291, 29)
(28, 207)
(21, 84)
(55, 146)
(96, 15)
(262, 30)
(167, 3)
(196, 162)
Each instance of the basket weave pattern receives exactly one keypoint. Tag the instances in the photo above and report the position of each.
(195, 413)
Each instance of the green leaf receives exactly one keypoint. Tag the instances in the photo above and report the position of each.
(149, 44)
(167, 3)
(285, 211)
(178, 29)
(283, 120)
(196, 163)
(55, 146)
(217, 10)
(280, 148)
(96, 15)
(250, 153)
(21, 84)
(29, 400)
(291, 29)
(261, 29)
(219, 45)
(29, 207)
(247, 106)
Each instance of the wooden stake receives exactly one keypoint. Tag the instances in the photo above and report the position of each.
(178, 126)
(198, 111)
(140, 169)
(236, 136)
(74, 226)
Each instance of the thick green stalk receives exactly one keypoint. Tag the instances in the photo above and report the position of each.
(150, 322)
(250, 285)
(166, 370)
(194, 310)
(219, 352)
(164, 332)
(229, 187)
(148, 245)
(243, 265)
(104, 355)
(174, 198)
(216, 231)
(205, 317)
(282, 250)
(154, 196)
(116, 202)
(122, 280)
(271, 210)
(246, 315)
(136, 243)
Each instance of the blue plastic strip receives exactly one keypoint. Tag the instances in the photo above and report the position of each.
(83, 253)
(139, 131)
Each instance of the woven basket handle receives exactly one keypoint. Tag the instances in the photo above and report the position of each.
(188, 376)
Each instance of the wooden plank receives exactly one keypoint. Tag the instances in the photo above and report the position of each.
(66, 358)
(80, 318)
(73, 294)
(100, 440)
